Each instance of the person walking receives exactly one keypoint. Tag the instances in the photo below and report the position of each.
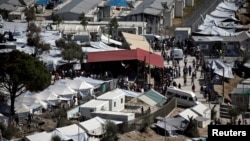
(192, 80)
(193, 87)
(185, 60)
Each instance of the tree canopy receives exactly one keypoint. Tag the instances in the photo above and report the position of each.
(70, 50)
(34, 38)
(30, 14)
(56, 19)
(20, 71)
(83, 20)
(113, 25)
(111, 132)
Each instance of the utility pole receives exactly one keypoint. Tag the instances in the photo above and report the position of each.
(143, 21)
(223, 86)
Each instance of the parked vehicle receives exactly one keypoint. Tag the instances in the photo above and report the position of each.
(177, 54)
(183, 97)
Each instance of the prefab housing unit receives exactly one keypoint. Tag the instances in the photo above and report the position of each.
(202, 110)
(119, 116)
(92, 106)
(116, 99)
(182, 33)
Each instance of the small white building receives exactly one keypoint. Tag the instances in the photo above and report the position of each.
(93, 105)
(188, 113)
(182, 33)
(116, 99)
(202, 110)
(119, 116)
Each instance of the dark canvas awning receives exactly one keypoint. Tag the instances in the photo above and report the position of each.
(122, 55)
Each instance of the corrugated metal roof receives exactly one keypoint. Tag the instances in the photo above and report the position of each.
(201, 109)
(147, 100)
(188, 113)
(153, 98)
(156, 96)
(137, 41)
(8, 7)
(117, 3)
(151, 7)
(79, 6)
(111, 94)
(94, 103)
(241, 91)
(118, 55)
(243, 36)
(14, 2)
(42, 2)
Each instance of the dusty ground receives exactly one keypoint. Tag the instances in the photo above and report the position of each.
(151, 135)
(228, 87)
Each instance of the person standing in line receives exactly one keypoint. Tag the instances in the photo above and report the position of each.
(142, 110)
(179, 86)
(239, 121)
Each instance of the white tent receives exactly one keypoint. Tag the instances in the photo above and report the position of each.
(82, 87)
(76, 84)
(22, 110)
(46, 98)
(27, 103)
(73, 132)
(62, 91)
(42, 136)
(96, 83)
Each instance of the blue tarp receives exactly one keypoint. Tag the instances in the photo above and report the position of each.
(42, 2)
(117, 3)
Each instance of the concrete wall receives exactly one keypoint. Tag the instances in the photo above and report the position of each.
(179, 8)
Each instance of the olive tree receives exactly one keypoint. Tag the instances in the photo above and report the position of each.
(34, 38)
(83, 20)
(70, 50)
(112, 26)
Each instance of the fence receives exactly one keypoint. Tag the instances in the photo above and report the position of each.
(146, 120)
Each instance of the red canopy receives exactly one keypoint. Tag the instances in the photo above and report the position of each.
(120, 55)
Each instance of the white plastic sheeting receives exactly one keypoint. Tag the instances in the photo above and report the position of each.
(101, 45)
(228, 5)
(219, 67)
(75, 84)
(216, 23)
(42, 136)
(73, 132)
(96, 83)
(131, 93)
(61, 90)
(109, 41)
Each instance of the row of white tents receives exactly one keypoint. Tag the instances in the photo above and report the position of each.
(82, 131)
(62, 90)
